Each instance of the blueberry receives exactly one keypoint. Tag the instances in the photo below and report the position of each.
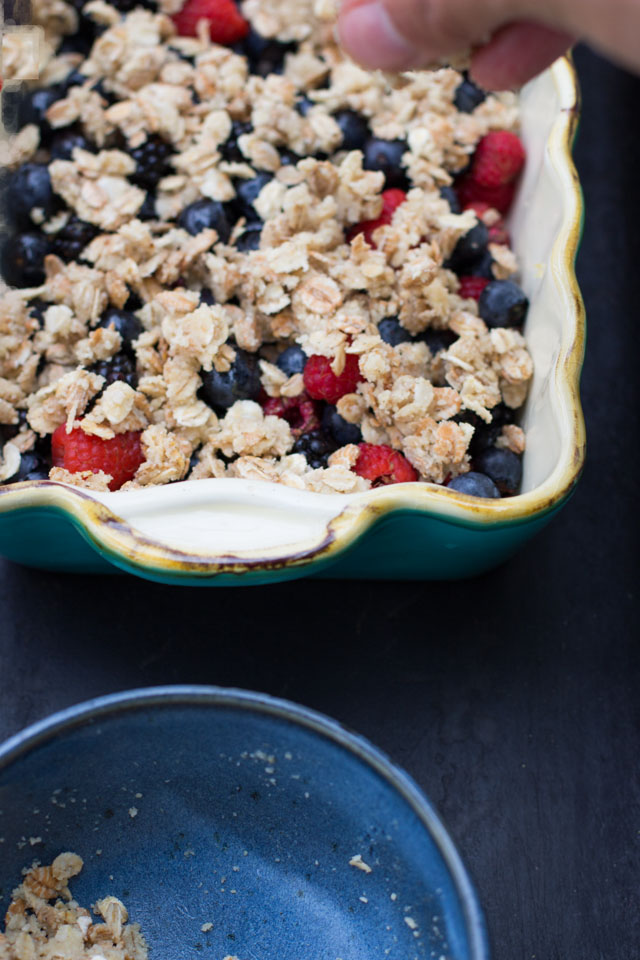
(230, 151)
(74, 79)
(124, 322)
(437, 340)
(303, 105)
(64, 142)
(37, 309)
(265, 55)
(386, 156)
(30, 189)
(341, 431)
(246, 192)
(484, 436)
(148, 209)
(469, 250)
(483, 267)
(121, 367)
(468, 96)
(354, 127)
(10, 430)
(503, 304)
(392, 331)
(69, 243)
(450, 195)
(249, 239)
(203, 215)
(152, 162)
(292, 360)
(504, 467)
(36, 106)
(316, 446)
(475, 484)
(23, 259)
(207, 297)
(33, 466)
(241, 382)
(288, 158)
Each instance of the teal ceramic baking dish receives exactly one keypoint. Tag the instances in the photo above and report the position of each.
(223, 532)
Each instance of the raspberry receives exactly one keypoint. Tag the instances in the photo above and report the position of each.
(226, 24)
(498, 159)
(301, 412)
(77, 451)
(472, 287)
(383, 465)
(322, 383)
(391, 200)
(472, 192)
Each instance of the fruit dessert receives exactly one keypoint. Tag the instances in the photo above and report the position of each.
(232, 252)
(44, 921)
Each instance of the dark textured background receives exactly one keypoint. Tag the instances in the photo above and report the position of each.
(513, 699)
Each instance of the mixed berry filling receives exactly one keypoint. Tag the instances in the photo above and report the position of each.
(234, 253)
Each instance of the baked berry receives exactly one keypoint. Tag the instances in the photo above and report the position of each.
(148, 209)
(74, 79)
(316, 447)
(449, 194)
(247, 191)
(229, 150)
(23, 259)
(392, 331)
(36, 106)
(437, 340)
(121, 367)
(265, 55)
(498, 160)
(206, 215)
(383, 465)
(502, 466)
(10, 430)
(64, 142)
(249, 239)
(152, 162)
(386, 156)
(503, 304)
(471, 287)
(470, 250)
(339, 429)
(77, 451)
(475, 485)
(207, 297)
(391, 200)
(470, 192)
(354, 127)
(301, 412)
(240, 382)
(33, 466)
(484, 434)
(69, 242)
(303, 105)
(226, 24)
(292, 360)
(30, 189)
(123, 322)
(37, 308)
(322, 383)
(468, 96)
(288, 158)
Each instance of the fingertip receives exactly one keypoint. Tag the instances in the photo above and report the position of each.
(515, 54)
(367, 33)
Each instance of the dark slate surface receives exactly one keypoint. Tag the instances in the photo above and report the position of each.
(512, 699)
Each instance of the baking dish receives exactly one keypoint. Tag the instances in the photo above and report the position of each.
(220, 532)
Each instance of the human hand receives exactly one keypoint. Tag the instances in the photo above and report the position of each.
(512, 40)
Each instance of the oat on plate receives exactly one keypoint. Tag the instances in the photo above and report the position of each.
(251, 258)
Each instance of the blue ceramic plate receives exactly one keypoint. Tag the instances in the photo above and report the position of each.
(249, 810)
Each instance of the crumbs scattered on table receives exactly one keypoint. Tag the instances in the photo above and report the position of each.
(358, 862)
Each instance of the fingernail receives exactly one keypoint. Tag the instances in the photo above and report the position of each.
(368, 34)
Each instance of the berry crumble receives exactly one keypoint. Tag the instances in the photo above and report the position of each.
(232, 252)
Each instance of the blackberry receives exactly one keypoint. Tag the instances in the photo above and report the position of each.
(339, 429)
(469, 250)
(206, 214)
(240, 382)
(386, 156)
(292, 360)
(250, 238)
(64, 142)
(125, 323)
(265, 55)
(229, 150)
(69, 242)
(354, 127)
(468, 96)
(503, 304)
(247, 192)
(23, 259)
(504, 467)
(120, 367)
(392, 331)
(29, 189)
(148, 209)
(316, 447)
(475, 485)
(152, 164)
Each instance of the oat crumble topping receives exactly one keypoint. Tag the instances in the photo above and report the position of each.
(202, 299)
